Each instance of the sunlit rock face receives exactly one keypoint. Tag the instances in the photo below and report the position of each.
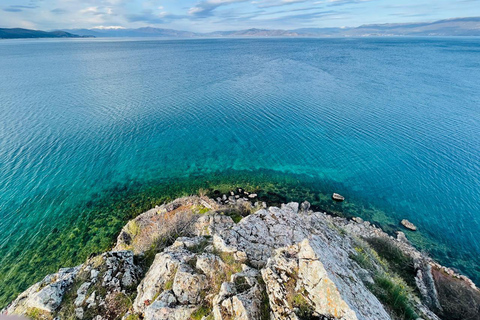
(189, 260)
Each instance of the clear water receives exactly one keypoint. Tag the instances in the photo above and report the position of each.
(395, 121)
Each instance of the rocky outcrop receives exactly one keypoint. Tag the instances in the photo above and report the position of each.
(45, 295)
(407, 224)
(189, 260)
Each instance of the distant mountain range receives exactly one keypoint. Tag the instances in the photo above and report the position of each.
(18, 33)
(449, 27)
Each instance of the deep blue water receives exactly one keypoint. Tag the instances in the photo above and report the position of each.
(396, 121)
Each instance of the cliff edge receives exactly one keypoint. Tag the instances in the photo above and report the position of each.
(196, 258)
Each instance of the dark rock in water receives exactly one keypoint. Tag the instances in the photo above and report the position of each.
(338, 197)
(407, 224)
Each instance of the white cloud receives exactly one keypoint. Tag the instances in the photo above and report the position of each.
(109, 27)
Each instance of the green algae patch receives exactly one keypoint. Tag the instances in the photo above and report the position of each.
(92, 227)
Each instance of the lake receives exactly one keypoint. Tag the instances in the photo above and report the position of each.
(88, 127)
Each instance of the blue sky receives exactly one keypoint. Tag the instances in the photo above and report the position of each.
(211, 15)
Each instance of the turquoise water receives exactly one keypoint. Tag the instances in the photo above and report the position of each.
(395, 122)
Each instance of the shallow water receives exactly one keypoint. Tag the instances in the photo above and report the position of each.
(390, 122)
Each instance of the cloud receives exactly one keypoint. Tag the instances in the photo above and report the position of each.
(149, 17)
(9, 9)
(19, 8)
(270, 4)
(109, 27)
(24, 7)
(343, 2)
(205, 8)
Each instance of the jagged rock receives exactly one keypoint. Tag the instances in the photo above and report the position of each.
(241, 298)
(209, 264)
(401, 237)
(305, 206)
(303, 262)
(121, 270)
(358, 220)
(188, 285)
(79, 313)
(208, 225)
(91, 300)
(426, 284)
(81, 294)
(161, 271)
(45, 295)
(165, 308)
(329, 289)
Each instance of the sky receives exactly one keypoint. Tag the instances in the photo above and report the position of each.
(215, 15)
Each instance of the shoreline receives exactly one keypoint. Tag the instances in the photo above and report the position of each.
(421, 284)
(272, 187)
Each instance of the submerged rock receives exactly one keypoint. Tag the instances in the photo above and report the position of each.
(338, 197)
(407, 224)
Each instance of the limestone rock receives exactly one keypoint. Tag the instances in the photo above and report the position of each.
(188, 285)
(241, 298)
(165, 308)
(45, 295)
(338, 197)
(277, 263)
(160, 273)
(305, 206)
(407, 224)
(329, 289)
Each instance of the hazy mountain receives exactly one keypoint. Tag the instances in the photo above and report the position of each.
(449, 27)
(140, 32)
(18, 33)
(254, 33)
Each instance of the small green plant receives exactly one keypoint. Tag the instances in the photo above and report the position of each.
(132, 317)
(395, 293)
(241, 284)
(202, 192)
(202, 311)
(398, 261)
(304, 311)
(391, 289)
(37, 314)
(234, 214)
(200, 248)
(133, 228)
(203, 210)
(265, 307)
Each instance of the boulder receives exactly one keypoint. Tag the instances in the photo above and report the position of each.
(338, 197)
(407, 224)
(45, 295)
